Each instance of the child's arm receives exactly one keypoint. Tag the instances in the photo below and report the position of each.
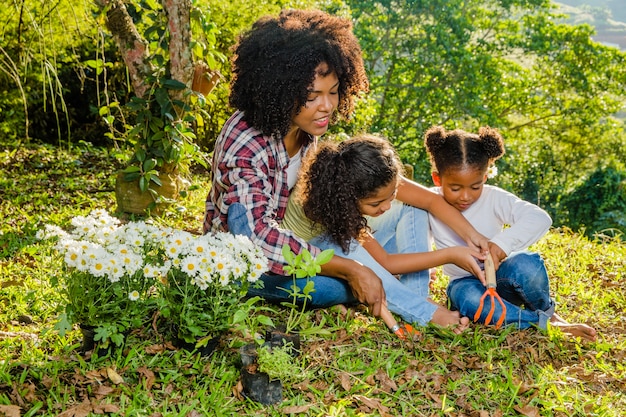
(402, 263)
(527, 222)
(417, 195)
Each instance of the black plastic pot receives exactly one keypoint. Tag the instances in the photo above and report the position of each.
(258, 387)
(204, 350)
(248, 354)
(279, 337)
(90, 345)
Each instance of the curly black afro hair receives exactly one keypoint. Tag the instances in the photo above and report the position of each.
(338, 175)
(274, 64)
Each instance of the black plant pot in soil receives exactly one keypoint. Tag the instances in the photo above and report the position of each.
(258, 387)
(279, 337)
(90, 345)
(205, 350)
(248, 354)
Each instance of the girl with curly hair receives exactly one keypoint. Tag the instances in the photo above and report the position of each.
(461, 164)
(342, 188)
(293, 75)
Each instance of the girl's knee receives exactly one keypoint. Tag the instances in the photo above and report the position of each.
(466, 293)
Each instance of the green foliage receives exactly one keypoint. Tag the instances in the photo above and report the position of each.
(302, 265)
(278, 362)
(552, 91)
(251, 316)
(556, 95)
(42, 44)
(161, 140)
(598, 203)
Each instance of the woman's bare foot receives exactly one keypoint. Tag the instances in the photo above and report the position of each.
(451, 319)
(574, 329)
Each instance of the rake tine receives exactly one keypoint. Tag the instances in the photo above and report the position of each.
(503, 315)
(480, 307)
(493, 307)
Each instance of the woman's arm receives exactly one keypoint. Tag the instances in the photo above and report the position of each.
(403, 263)
(365, 284)
(417, 195)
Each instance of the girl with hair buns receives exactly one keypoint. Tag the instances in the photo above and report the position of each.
(461, 163)
(293, 75)
(342, 185)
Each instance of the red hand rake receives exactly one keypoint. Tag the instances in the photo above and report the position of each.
(490, 274)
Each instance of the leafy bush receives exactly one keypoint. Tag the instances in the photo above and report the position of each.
(598, 203)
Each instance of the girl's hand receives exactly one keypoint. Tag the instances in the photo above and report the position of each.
(465, 258)
(478, 242)
(497, 254)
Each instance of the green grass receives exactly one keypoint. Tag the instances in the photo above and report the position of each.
(354, 368)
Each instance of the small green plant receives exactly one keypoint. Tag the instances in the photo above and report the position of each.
(278, 363)
(303, 265)
(248, 319)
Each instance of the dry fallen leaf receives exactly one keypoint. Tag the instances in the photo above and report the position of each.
(344, 378)
(387, 384)
(114, 377)
(296, 409)
(528, 411)
(10, 410)
(80, 410)
(106, 408)
(149, 375)
(238, 391)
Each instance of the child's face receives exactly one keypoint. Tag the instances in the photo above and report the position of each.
(379, 201)
(461, 188)
(323, 99)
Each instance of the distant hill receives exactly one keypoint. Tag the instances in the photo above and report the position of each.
(608, 17)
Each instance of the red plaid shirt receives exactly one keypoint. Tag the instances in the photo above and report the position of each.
(251, 169)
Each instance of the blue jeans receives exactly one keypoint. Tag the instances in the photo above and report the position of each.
(522, 283)
(409, 304)
(404, 229)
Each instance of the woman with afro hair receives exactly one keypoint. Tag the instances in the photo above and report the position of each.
(293, 75)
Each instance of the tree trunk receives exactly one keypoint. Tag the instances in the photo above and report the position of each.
(134, 48)
(181, 63)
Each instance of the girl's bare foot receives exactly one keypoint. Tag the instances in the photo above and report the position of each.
(451, 319)
(574, 329)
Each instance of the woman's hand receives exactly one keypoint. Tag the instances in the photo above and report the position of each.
(368, 289)
(365, 284)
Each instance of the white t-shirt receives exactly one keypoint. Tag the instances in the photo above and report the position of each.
(295, 162)
(496, 208)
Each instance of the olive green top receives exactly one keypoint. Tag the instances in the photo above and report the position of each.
(296, 221)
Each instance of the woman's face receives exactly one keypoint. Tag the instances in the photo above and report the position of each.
(379, 201)
(322, 101)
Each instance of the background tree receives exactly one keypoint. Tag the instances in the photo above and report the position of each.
(557, 96)
(547, 86)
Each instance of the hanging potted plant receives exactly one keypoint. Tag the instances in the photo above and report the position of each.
(163, 148)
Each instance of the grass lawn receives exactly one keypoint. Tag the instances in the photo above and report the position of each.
(352, 367)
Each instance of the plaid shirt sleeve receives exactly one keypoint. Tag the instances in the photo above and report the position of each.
(250, 169)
